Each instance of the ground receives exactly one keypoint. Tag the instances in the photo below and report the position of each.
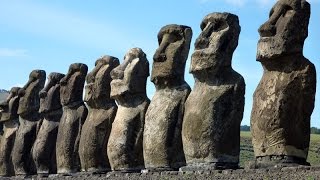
(301, 172)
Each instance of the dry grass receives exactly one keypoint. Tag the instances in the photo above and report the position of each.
(246, 153)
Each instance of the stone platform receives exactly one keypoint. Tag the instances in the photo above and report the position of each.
(303, 172)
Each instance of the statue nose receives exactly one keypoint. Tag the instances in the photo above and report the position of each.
(43, 94)
(201, 43)
(21, 92)
(160, 54)
(117, 73)
(267, 30)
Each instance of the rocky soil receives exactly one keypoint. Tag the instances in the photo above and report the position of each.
(302, 172)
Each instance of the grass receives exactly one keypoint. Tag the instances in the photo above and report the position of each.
(246, 149)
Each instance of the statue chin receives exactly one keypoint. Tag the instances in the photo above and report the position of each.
(269, 49)
(119, 91)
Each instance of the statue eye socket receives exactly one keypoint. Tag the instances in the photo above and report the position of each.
(219, 25)
(96, 63)
(175, 37)
(288, 11)
(171, 37)
(271, 12)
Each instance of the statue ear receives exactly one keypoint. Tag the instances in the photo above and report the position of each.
(84, 69)
(97, 61)
(188, 34)
(114, 63)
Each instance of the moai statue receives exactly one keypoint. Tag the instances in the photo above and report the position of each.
(284, 99)
(1, 127)
(51, 109)
(214, 109)
(128, 88)
(10, 120)
(73, 117)
(29, 119)
(102, 111)
(162, 144)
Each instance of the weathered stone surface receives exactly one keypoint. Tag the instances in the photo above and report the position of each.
(29, 119)
(284, 99)
(162, 144)
(214, 108)
(10, 120)
(102, 111)
(73, 117)
(128, 88)
(44, 147)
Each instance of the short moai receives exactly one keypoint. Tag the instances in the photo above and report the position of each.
(284, 99)
(43, 151)
(10, 120)
(214, 108)
(73, 117)
(102, 111)
(162, 143)
(128, 88)
(29, 119)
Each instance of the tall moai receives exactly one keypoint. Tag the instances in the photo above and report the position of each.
(214, 108)
(29, 119)
(73, 117)
(43, 151)
(10, 120)
(128, 88)
(284, 99)
(162, 144)
(102, 111)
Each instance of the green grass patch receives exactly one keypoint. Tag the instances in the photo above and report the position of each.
(247, 154)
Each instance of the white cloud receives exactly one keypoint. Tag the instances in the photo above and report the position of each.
(7, 52)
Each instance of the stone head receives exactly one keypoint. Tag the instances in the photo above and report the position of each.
(215, 45)
(9, 108)
(97, 90)
(130, 77)
(29, 95)
(285, 30)
(50, 94)
(170, 58)
(71, 85)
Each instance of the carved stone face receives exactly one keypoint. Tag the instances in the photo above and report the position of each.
(170, 58)
(29, 95)
(215, 45)
(50, 94)
(285, 31)
(130, 77)
(71, 89)
(97, 90)
(9, 108)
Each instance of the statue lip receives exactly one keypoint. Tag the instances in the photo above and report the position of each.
(116, 81)
(160, 58)
(89, 84)
(198, 50)
(266, 38)
(207, 50)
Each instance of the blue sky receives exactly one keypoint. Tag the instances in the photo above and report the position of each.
(51, 35)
